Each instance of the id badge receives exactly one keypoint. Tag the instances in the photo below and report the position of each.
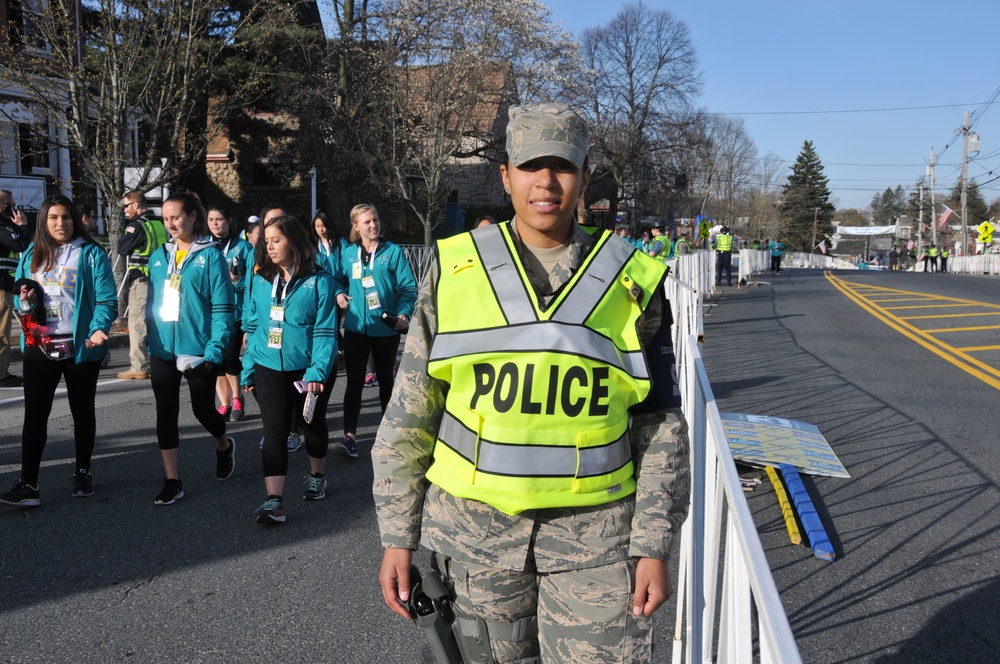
(170, 309)
(368, 282)
(52, 288)
(277, 313)
(373, 301)
(356, 271)
(274, 337)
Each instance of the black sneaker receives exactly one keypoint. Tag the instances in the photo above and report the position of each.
(83, 483)
(347, 447)
(10, 380)
(23, 494)
(271, 512)
(171, 493)
(225, 461)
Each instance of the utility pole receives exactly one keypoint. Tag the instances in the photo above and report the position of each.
(933, 207)
(815, 228)
(965, 184)
(920, 215)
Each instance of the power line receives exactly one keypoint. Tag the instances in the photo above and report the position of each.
(854, 110)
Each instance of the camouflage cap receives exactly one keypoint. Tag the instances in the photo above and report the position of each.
(546, 130)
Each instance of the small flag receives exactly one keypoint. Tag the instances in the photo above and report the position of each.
(822, 246)
(944, 216)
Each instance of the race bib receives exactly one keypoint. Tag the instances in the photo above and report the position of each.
(274, 337)
(170, 309)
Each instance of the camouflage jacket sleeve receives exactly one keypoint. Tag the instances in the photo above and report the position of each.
(405, 440)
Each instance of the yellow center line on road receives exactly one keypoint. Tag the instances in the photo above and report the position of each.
(970, 349)
(962, 329)
(956, 356)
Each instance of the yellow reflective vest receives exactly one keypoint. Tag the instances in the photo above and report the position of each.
(156, 236)
(536, 413)
(724, 242)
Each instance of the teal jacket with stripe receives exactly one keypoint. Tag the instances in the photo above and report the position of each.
(207, 303)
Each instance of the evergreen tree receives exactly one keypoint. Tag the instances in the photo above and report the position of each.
(805, 202)
(888, 205)
(979, 211)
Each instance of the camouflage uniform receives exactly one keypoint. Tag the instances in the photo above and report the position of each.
(574, 567)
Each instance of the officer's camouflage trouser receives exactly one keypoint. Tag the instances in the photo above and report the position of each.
(584, 615)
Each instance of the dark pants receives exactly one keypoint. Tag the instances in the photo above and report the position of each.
(775, 264)
(278, 400)
(41, 377)
(166, 380)
(944, 264)
(356, 350)
(724, 261)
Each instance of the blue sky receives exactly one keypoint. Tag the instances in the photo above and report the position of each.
(784, 66)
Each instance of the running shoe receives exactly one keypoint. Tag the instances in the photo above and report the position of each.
(171, 493)
(224, 411)
(83, 483)
(270, 512)
(315, 488)
(294, 442)
(225, 461)
(370, 380)
(23, 494)
(347, 447)
(236, 414)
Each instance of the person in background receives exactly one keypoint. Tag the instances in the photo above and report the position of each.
(252, 232)
(66, 277)
(660, 246)
(373, 278)
(14, 238)
(189, 319)
(142, 236)
(292, 340)
(777, 248)
(490, 477)
(944, 258)
(644, 242)
(239, 259)
(328, 241)
(485, 220)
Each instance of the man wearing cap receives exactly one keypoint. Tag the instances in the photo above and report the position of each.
(514, 446)
(660, 246)
(142, 236)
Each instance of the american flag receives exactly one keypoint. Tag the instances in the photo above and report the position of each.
(944, 216)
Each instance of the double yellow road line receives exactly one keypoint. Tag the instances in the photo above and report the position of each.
(906, 306)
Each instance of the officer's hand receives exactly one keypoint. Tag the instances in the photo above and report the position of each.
(652, 586)
(394, 577)
(343, 301)
(402, 322)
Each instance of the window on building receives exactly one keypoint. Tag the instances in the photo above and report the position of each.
(35, 148)
(25, 21)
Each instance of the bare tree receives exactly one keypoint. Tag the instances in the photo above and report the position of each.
(121, 74)
(454, 67)
(644, 74)
(736, 158)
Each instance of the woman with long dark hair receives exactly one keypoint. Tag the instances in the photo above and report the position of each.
(291, 323)
(239, 259)
(189, 322)
(329, 242)
(65, 280)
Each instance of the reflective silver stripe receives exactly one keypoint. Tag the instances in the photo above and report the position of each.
(545, 460)
(598, 277)
(8, 263)
(540, 338)
(501, 270)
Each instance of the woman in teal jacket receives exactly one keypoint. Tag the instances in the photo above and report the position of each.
(239, 259)
(291, 321)
(189, 319)
(373, 278)
(65, 276)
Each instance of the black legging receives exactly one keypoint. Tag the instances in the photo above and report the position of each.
(41, 377)
(356, 350)
(279, 400)
(166, 380)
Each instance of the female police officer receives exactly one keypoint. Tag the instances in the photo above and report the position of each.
(508, 448)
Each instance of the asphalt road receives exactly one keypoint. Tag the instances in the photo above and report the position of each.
(916, 528)
(115, 578)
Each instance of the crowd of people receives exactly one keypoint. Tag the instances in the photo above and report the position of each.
(227, 308)
(545, 411)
